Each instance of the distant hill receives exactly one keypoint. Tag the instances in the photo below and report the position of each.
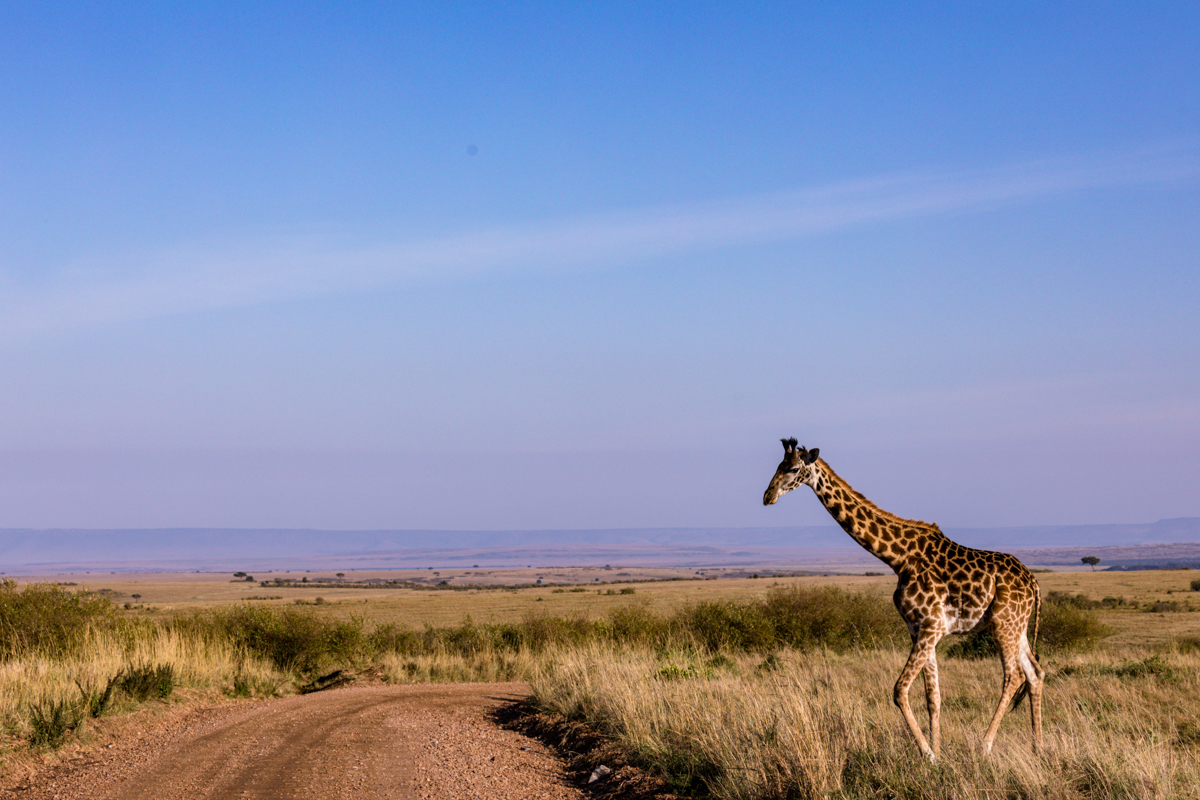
(30, 550)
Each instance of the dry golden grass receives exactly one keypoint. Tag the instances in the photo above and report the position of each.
(198, 664)
(820, 724)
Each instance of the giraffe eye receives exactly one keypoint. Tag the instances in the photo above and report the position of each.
(793, 470)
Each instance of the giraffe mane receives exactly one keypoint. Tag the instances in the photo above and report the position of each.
(912, 523)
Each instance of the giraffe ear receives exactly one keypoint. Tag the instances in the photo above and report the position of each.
(811, 455)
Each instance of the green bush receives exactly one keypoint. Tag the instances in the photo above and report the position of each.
(292, 639)
(51, 721)
(1196, 585)
(143, 681)
(794, 617)
(1068, 627)
(1163, 606)
(635, 624)
(728, 625)
(48, 619)
(95, 701)
(1154, 665)
(1066, 599)
(539, 631)
(391, 639)
(834, 618)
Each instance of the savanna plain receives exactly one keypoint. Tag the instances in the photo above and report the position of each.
(771, 685)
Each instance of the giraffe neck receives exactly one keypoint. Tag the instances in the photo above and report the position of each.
(892, 539)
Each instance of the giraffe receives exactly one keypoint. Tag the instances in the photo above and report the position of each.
(943, 588)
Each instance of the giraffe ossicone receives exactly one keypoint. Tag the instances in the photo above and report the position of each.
(943, 588)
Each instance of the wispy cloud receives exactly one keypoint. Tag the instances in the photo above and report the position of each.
(272, 269)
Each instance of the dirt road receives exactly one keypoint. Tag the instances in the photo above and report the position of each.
(395, 742)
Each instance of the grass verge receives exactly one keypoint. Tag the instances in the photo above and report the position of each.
(821, 724)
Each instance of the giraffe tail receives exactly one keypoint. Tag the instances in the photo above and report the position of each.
(1037, 618)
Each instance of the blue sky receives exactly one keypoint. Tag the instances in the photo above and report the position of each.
(581, 265)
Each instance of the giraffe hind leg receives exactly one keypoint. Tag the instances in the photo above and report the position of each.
(1034, 676)
(1010, 659)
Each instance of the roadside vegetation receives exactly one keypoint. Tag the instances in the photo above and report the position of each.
(787, 694)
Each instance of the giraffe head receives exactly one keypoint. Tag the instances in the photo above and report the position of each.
(796, 469)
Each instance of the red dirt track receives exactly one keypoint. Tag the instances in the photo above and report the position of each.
(395, 742)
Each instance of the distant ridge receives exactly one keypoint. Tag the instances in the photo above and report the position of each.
(24, 550)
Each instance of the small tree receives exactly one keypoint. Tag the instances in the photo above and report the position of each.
(1091, 561)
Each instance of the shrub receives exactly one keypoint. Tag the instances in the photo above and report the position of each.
(794, 617)
(1196, 585)
(51, 721)
(635, 624)
(49, 619)
(1154, 665)
(1072, 600)
(143, 681)
(539, 631)
(465, 639)
(96, 702)
(291, 638)
(834, 618)
(1163, 606)
(242, 686)
(391, 639)
(720, 625)
(1066, 626)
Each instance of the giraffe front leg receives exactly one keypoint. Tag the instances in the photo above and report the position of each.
(933, 702)
(923, 648)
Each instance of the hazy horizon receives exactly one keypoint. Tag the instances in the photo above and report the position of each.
(39, 551)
